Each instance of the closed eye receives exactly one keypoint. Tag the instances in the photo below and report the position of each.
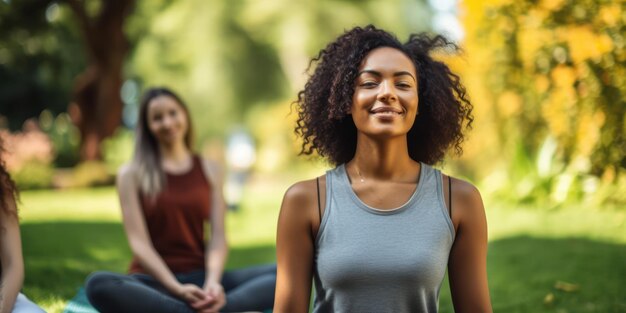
(368, 84)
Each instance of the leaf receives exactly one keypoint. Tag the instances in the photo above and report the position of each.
(548, 299)
(567, 287)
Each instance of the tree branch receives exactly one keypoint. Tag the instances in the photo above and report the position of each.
(78, 8)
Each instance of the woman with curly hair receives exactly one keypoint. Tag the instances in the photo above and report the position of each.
(11, 261)
(376, 233)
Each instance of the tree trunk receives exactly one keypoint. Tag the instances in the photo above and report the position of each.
(96, 107)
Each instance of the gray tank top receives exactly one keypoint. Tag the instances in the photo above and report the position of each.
(370, 260)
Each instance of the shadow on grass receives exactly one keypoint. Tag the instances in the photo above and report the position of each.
(523, 270)
(58, 256)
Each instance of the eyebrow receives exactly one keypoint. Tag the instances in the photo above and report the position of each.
(375, 73)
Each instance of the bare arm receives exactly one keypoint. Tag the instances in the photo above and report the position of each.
(467, 266)
(10, 259)
(137, 234)
(297, 224)
(217, 247)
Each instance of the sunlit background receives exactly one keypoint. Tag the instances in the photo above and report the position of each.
(547, 150)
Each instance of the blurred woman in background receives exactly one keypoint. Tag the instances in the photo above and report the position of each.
(173, 213)
(376, 233)
(11, 261)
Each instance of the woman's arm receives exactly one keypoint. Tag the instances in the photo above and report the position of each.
(467, 266)
(139, 239)
(10, 258)
(217, 247)
(297, 224)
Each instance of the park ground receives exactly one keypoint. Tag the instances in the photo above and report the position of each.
(562, 260)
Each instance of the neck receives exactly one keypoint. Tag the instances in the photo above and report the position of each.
(174, 152)
(383, 159)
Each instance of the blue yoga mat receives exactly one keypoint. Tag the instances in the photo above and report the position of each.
(79, 304)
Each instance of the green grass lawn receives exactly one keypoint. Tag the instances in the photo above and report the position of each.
(69, 233)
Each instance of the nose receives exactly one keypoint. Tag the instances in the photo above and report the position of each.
(167, 122)
(387, 92)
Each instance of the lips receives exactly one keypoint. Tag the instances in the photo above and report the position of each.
(168, 132)
(387, 111)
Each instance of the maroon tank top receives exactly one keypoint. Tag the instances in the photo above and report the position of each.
(176, 220)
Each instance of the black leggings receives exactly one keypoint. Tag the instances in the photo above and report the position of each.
(248, 289)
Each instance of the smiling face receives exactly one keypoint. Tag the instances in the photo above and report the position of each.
(167, 120)
(385, 99)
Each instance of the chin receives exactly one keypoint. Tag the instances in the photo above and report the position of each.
(385, 132)
(168, 141)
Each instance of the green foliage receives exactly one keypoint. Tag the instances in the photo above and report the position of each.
(40, 55)
(227, 57)
(223, 57)
(118, 149)
(34, 174)
(91, 173)
(64, 135)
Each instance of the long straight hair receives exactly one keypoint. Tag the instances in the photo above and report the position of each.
(147, 157)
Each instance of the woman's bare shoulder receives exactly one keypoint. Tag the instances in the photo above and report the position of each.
(464, 189)
(212, 169)
(126, 175)
(467, 202)
(302, 192)
(301, 199)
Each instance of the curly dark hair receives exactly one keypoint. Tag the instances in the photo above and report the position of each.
(8, 190)
(323, 105)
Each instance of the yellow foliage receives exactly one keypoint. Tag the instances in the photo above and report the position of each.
(563, 76)
(509, 103)
(584, 43)
(588, 133)
(532, 39)
(475, 13)
(535, 17)
(564, 60)
(619, 75)
(610, 14)
(599, 118)
(609, 174)
(542, 83)
(480, 142)
(582, 71)
(551, 5)
(557, 111)
(604, 44)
